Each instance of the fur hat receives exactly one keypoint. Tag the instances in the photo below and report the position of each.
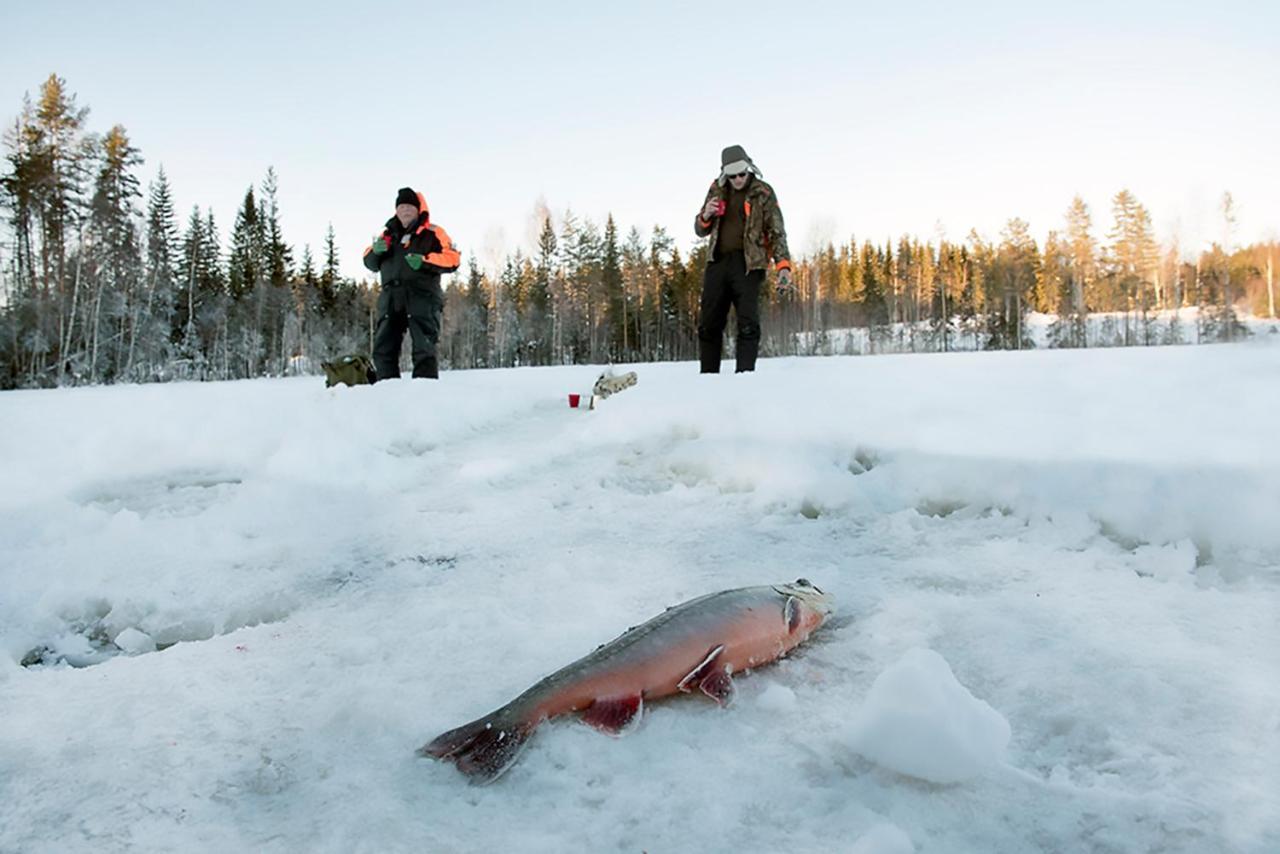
(734, 161)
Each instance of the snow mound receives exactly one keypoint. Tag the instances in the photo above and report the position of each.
(883, 839)
(777, 698)
(920, 721)
(135, 642)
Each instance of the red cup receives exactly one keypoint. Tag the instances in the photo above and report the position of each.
(720, 207)
(574, 400)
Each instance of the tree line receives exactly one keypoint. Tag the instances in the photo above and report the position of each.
(98, 284)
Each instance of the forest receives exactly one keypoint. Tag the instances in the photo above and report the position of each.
(103, 282)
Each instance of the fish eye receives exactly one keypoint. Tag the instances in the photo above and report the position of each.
(804, 582)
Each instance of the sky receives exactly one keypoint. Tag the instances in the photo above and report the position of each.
(871, 121)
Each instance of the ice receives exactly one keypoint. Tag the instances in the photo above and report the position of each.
(1083, 544)
(135, 642)
(883, 839)
(920, 721)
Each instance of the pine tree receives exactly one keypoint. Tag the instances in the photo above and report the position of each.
(307, 274)
(161, 270)
(246, 277)
(1082, 253)
(614, 297)
(1131, 257)
(278, 262)
(183, 331)
(244, 266)
(200, 310)
(639, 299)
(662, 247)
(509, 310)
(1055, 282)
(50, 156)
(476, 327)
(1013, 277)
(117, 260)
(1218, 278)
(875, 308)
(273, 308)
(330, 275)
(541, 308)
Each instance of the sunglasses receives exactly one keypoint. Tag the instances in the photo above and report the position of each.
(739, 175)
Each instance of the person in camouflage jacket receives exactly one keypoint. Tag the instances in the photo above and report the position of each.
(410, 255)
(742, 217)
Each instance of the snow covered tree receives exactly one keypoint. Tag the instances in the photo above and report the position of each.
(330, 275)
(617, 342)
(1054, 281)
(160, 270)
(541, 319)
(1081, 259)
(1013, 275)
(114, 262)
(245, 264)
(50, 156)
(1131, 258)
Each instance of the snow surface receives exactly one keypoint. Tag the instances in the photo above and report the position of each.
(1089, 540)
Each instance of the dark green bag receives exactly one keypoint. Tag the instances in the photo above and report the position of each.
(355, 369)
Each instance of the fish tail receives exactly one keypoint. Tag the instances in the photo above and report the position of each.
(484, 748)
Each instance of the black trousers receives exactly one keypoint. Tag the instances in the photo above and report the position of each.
(726, 283)
(415, 308)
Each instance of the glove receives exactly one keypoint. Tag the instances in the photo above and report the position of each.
(379, 245)
(786, 287)
(414, 260)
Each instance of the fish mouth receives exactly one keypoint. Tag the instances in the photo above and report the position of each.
(809, 593)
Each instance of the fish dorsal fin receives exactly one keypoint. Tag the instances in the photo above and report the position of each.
(704, 667)
(791, 614)
(615, 715)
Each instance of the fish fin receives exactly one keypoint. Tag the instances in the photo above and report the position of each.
(701, 670)
(482, 749)
(791, 614)
(718, 685)
(615, 715)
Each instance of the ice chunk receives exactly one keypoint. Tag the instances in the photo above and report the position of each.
(777, 698)
(920, 721)
(883, 839)
(135, 642)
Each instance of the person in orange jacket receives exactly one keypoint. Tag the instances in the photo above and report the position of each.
(410, 255)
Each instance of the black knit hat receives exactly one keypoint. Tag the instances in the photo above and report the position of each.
(407, 196)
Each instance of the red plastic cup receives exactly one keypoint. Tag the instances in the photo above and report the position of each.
(720, 207)
(574, 399)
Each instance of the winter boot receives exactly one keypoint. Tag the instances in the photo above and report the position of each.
(709, 353)
(747, 349)
(427, 368)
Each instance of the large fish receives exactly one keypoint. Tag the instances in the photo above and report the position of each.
(697, 645)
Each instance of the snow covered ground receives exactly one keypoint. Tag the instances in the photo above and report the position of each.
(1102, 329)
(1057, 576)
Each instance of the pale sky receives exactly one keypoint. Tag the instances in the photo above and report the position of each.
(869, 120)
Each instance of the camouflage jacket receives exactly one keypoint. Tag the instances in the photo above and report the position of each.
(765, 236)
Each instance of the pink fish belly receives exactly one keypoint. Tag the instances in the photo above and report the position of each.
(751, 639)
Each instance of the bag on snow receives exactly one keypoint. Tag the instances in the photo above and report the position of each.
(353, 369)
